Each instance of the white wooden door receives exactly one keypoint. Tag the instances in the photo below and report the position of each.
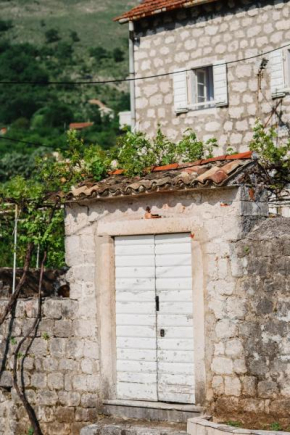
(154, 322)
(175, 353)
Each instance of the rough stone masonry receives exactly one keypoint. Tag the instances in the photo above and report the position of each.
(199, 36)
(251, 365)
(59, 371)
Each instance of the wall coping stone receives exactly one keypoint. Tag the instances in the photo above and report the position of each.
(221, 428)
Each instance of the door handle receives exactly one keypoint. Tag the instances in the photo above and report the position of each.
(162, 332)
(157, 303)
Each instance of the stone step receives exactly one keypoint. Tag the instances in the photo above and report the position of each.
(133, 427)
(152, 411)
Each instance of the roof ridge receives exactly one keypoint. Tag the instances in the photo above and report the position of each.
(174, 166)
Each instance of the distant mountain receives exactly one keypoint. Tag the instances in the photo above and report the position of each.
(92, 20)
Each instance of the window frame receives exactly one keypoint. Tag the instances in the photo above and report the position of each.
(210, 102)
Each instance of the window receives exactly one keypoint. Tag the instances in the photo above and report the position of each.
(280, 72)
(202, 86)
(288, 68)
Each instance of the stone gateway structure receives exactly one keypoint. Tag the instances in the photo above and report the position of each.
(191, 298)
(178, 306)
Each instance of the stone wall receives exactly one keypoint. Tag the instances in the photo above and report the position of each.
(196, 37)
(251, 362)
(60, 371)
(216, 218)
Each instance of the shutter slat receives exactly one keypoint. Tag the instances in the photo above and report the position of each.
(277, 73)
(220, 83)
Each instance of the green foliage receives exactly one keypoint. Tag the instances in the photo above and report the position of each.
(30, 431)
(13, 341)
(52, 35)
(5, 25)
(135, 152)
(265, 142)
(273, 155)
(74, 36)
(276, 426)
(99, 53)
(118, 55)
(234, 423)
(45, 336)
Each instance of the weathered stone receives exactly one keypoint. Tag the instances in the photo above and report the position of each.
(38, 380)
(47, 398)
(69, 398)
(65, 414)
(63, 328)
(232, 386)
(52, 309)
(222, 366)
(267, 389)
(89, 400)
(55, 381)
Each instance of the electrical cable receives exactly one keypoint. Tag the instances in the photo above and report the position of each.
(130, 79)
(27, 142)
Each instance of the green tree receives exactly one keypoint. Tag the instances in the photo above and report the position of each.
(5, 25)
(74, 36)
(52, 35)
(118, 55)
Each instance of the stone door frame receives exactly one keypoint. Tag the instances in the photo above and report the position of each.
(105, 295)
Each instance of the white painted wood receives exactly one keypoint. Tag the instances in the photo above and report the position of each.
(180, 88)
(173, 260)
(173, 284)
(151, 367)
(139, 355)
(277, 67)
(220, 83)
(131, 307)
(174, 288)
(137, 391)
(173, 357)
(135, 318)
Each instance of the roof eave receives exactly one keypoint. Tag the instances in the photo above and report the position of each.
(190, 3)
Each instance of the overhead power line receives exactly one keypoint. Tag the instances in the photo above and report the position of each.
(27, 142)
(130, 79)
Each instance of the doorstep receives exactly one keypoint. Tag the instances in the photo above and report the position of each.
(151, 411)
(117, 426)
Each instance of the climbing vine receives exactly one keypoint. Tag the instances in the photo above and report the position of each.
(273, 154)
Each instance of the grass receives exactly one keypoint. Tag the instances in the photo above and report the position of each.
(91, 19)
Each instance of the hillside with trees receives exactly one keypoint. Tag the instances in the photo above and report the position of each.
(58, 41)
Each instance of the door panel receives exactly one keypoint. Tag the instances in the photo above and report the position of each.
(136, 318)
(175, 380)
(151, 366)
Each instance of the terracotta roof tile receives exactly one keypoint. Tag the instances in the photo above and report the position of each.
(153, 7)
(80, 125)
(208, 173)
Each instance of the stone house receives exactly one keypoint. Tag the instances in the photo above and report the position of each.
(210, 62)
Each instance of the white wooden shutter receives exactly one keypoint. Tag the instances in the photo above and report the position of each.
(220, 83)
(180, 88)
(277, 73)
